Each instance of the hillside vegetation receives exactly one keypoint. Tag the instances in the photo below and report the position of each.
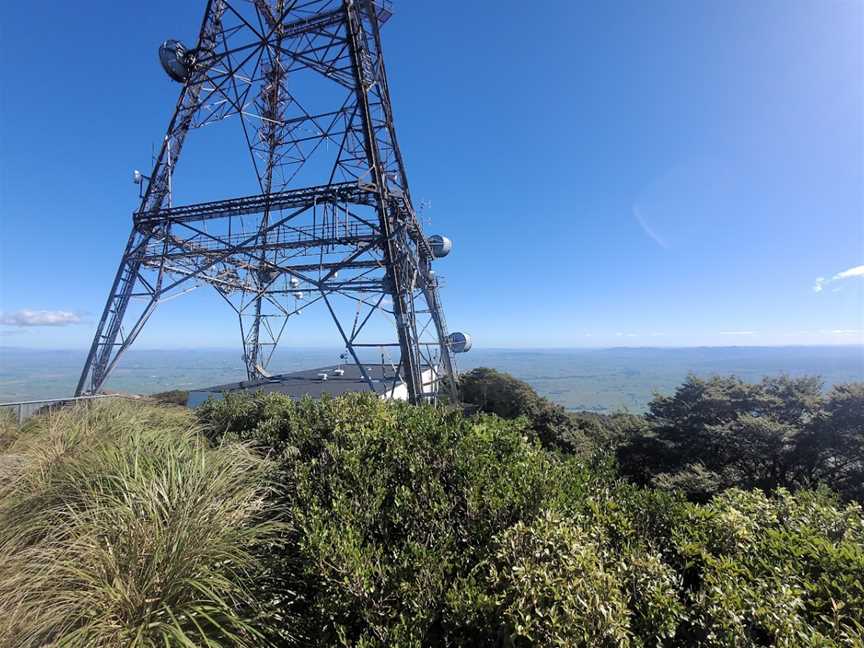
(710, 435)
(355, 522)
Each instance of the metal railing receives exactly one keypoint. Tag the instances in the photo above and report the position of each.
(25, 409)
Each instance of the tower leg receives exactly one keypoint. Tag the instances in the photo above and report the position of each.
(448, 364)
(105, 349)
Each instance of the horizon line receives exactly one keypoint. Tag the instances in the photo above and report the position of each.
(484, 348)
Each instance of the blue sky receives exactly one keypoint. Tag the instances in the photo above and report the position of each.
(612, 173)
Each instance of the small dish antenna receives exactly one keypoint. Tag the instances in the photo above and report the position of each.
(138, 178)
(175, 59)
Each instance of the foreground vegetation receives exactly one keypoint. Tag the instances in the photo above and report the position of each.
(355, 522)
(120, 526)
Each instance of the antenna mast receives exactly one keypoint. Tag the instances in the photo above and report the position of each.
(330, 221)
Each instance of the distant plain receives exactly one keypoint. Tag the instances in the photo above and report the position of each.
(599, 380)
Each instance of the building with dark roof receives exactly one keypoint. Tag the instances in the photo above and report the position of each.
(334, 380)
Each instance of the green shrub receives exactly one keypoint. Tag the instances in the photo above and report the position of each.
(499, 393)
(172, 397)
(391, 503)
(417, 526)
(544, 583)
(403, 526)
(121, 527)
(780, 571)
(832, 450)
(721, 432)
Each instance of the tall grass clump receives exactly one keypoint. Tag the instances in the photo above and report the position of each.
(8, 428)
(120, 526)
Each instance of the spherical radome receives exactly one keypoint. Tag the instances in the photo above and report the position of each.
(441, 245)
(459, 342)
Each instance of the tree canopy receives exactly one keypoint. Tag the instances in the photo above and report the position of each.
(710, 434)
(721, 432)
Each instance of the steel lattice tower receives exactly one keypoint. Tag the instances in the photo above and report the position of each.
(332, 221)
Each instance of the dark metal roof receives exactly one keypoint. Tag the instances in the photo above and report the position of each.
(307, 382)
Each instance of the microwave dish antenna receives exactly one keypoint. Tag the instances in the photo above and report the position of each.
(176, 60)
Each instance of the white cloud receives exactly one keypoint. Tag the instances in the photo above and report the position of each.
(821, 282)
(857, 271)
(737, 332)
(28, 317)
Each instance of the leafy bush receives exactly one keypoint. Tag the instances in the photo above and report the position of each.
(119, 526)
(784, 571)
(418, 526)
(832, 449)
(578, 433)
(545, 583)
(710, 435)
(404, 526)
(744, 570)
(172, 397)
(779, 433)
(391, 503)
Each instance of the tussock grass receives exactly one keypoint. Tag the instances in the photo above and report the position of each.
(8, 428)
(120, 526)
